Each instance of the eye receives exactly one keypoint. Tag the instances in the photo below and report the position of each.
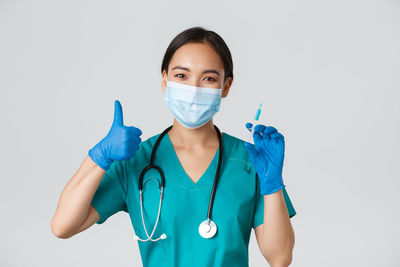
(213, 80)
(179, 74)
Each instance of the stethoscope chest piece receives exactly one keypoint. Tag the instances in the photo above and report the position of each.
(207, 229)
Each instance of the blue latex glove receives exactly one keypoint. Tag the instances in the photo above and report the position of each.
(121, 142)
(267, 156)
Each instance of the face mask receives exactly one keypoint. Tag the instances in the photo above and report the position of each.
(192, 106)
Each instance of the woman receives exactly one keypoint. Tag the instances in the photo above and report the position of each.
(249, 192)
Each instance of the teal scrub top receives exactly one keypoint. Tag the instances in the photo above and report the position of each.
(238, 205)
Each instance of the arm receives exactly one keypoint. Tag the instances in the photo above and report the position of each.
(74, 212)
(275, 237)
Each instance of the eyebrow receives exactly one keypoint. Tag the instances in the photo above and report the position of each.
(187, 69)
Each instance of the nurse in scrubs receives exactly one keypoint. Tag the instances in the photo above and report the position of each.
(196, 73)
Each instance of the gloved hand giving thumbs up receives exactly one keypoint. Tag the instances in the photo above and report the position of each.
(267, 155)
(121, 142)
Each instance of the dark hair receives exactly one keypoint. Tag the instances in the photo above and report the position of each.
(200, 35)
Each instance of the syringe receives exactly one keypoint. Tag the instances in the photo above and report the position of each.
(254, 123)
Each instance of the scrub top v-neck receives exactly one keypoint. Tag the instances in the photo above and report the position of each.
(205, 180)
(238, 205)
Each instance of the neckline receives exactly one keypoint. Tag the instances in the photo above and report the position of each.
(182, 178)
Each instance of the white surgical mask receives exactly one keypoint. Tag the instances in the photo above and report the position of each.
(192, 106)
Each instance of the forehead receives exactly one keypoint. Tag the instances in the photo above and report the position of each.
(196, 56)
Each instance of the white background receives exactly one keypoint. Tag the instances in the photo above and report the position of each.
(327, 71)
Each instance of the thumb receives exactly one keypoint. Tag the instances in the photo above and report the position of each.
(118, 117)
(248, 125)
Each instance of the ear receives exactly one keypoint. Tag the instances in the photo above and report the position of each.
(227, 86)
(163, 81)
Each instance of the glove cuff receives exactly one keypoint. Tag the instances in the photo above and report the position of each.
(271, 183)
(97, 156)
(268, 190)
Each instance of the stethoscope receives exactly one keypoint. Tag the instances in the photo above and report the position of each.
(207, 228)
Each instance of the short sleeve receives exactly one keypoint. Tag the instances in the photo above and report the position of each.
(110, 196)
(259, 209)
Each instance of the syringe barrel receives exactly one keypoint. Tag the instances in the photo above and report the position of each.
(257, 114)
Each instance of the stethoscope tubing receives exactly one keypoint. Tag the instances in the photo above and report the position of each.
(152, 165)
